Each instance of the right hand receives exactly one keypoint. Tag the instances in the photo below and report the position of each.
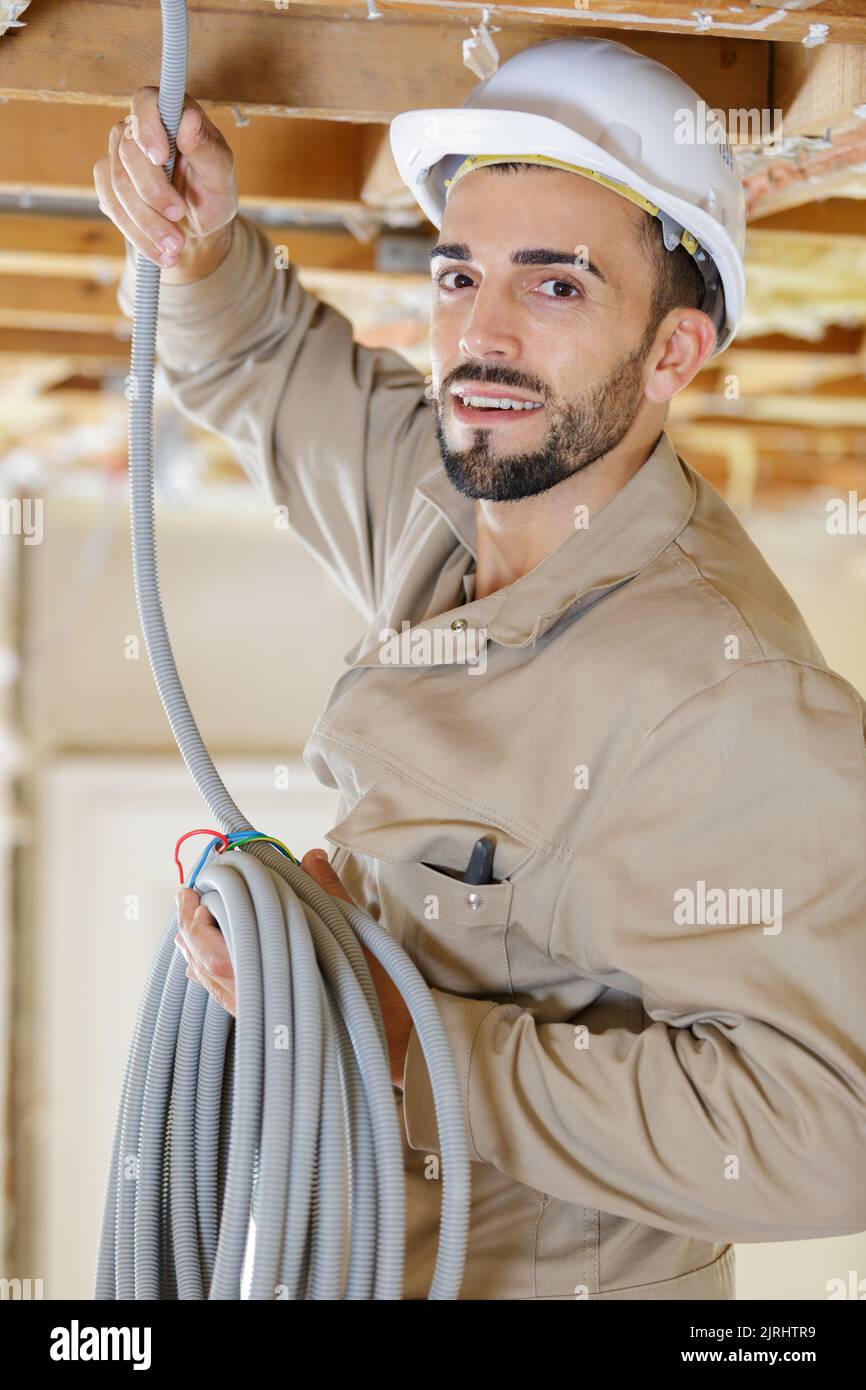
(134, 192)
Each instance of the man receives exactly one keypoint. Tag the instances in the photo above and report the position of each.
(654, 998)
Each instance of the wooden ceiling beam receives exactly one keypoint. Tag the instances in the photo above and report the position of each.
(92, 248)
(100, 349)
(818, 88)
(310, 167)
(781, 371)
(842, 339)
(337, 65)
(45, 303)
(840, 21)
(827, 412)
(831, 217)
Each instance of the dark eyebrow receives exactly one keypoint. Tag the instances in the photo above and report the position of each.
(529, 255)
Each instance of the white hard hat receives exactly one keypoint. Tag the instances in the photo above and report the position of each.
(604, 111)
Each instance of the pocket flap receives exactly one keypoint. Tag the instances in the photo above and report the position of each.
(398, 821)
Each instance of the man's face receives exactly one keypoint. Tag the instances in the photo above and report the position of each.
(509, 312)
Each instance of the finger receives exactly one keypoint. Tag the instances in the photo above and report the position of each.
(319, 869)
(151, 185)
(197, 137)
(147, 127)
(150, 223)
(205, 147)
(108, 204)
(187, 900)
(218, 991)
(207, 945)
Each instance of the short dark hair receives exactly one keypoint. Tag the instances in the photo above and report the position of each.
(677, 281)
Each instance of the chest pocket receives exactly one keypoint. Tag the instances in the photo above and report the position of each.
(455, 932)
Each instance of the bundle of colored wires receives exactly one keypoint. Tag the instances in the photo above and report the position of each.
(222, 842)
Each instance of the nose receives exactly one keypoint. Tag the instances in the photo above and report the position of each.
(488, 336)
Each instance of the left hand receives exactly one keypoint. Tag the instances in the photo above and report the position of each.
(208, 962)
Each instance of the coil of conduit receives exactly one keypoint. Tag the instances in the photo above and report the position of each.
(216, 1125)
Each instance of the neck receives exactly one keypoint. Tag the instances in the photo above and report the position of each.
(512, 538)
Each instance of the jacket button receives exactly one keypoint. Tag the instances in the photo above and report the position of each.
(474, 900)
(459, 624)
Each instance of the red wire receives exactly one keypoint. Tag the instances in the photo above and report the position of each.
(219, 835)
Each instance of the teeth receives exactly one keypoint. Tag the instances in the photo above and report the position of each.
(503, 403)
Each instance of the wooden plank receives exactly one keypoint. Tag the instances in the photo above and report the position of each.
(84, 247)
(311, 64)
(832, 217)
(774, 458)
(817, 410)
(837, 339)
(309, 166)
(87, 306)
(92, 347)
(77, 306)
(817, 88)
(790, 372)
(844, 20)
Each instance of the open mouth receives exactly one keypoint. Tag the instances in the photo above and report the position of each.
(492, 409)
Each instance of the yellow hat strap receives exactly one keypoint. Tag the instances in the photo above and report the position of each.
(475, 161)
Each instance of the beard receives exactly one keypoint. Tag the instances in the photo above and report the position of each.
(579, 432)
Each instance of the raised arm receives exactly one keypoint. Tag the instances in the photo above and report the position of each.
(335, 434)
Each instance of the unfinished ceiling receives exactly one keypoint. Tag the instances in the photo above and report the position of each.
(304, 94)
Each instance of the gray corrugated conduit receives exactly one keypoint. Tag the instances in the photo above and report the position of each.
(217, 1124)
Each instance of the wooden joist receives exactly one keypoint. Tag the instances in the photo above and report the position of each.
(333, 64)
(61, 273)
(830, 217)
(756, 462)
(836, 21)
(824, 411)
(92, 248)
(101, 349)
(818, 88)
(304, 166)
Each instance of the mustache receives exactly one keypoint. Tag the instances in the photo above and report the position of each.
(494, 376)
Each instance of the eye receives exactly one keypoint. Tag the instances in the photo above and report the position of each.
(576, 290)
(440, 279)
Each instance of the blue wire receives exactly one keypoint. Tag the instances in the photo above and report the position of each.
(232, 839)
(204, 855)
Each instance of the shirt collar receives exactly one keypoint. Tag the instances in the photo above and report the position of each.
(617, 543)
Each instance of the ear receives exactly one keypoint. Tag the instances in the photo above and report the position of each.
(688, 337)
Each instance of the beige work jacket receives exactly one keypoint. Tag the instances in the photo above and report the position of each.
(657, 1009)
